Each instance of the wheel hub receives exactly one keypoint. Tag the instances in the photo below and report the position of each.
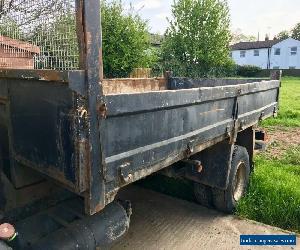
(239, 182)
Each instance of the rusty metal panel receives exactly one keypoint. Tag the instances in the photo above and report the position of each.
(147, 132)
(62, 125)
(131, 85)
(41, 118)
(42, 126)
(54, 121)
(91, 55)
(54, 131)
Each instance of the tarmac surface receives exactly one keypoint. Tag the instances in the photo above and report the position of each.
(162, 222)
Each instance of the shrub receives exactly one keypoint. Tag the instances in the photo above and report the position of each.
(126, 40)
(227, 70)
(248, 71)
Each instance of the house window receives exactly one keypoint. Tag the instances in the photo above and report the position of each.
(256, 52)
(243, 53)
(277, 52)
(276, 67)
(294, 51)
(292, 67)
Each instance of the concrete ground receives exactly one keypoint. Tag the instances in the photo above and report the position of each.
(163, 222)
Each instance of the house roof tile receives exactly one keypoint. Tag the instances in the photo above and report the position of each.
(14, 43)
(255, 45)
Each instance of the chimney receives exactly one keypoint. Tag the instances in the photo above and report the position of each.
(267, 37)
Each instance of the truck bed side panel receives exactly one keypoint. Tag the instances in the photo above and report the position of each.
(41, 127)
(146, 132)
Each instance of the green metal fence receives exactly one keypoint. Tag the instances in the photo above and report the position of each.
(39, 34)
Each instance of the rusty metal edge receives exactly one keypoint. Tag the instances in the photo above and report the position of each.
(41, 75)
(3, 100)
(90, 39)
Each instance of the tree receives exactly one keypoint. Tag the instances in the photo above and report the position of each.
(296, 32)
(237, 36)
(11, 29)
(197, 42)
(283, 35)
(126, 40)
(27, 12)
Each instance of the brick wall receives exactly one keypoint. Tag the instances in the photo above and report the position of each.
(11, 58)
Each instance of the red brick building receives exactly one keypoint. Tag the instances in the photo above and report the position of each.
(16, 54)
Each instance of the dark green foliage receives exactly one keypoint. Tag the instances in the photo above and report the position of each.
(283, 35)
(248, 71)
(227, 70)
(296, 32)
(10, 28)
(126, 41)
(197, 42)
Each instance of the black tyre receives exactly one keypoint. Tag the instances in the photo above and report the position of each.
(226, 200)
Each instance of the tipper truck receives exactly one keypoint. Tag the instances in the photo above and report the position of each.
(70, 140)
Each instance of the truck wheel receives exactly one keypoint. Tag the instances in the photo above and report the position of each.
(226, 200)
(203, 195)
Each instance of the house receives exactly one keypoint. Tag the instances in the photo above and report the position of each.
(16, 54)
(268, 54)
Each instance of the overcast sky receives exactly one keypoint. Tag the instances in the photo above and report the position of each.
(251, 16)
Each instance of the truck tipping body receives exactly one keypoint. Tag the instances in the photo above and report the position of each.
(47, 121)
(71, 131)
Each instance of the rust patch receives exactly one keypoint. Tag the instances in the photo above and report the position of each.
(83, 164)
(102, 110)
(27, 74)
(88, 209)
(51, 75)
(133, 85)
(3, 100)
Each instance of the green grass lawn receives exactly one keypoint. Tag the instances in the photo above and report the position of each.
(289, 114)
(274, 193)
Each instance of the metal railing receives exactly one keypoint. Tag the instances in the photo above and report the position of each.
(38, 34)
